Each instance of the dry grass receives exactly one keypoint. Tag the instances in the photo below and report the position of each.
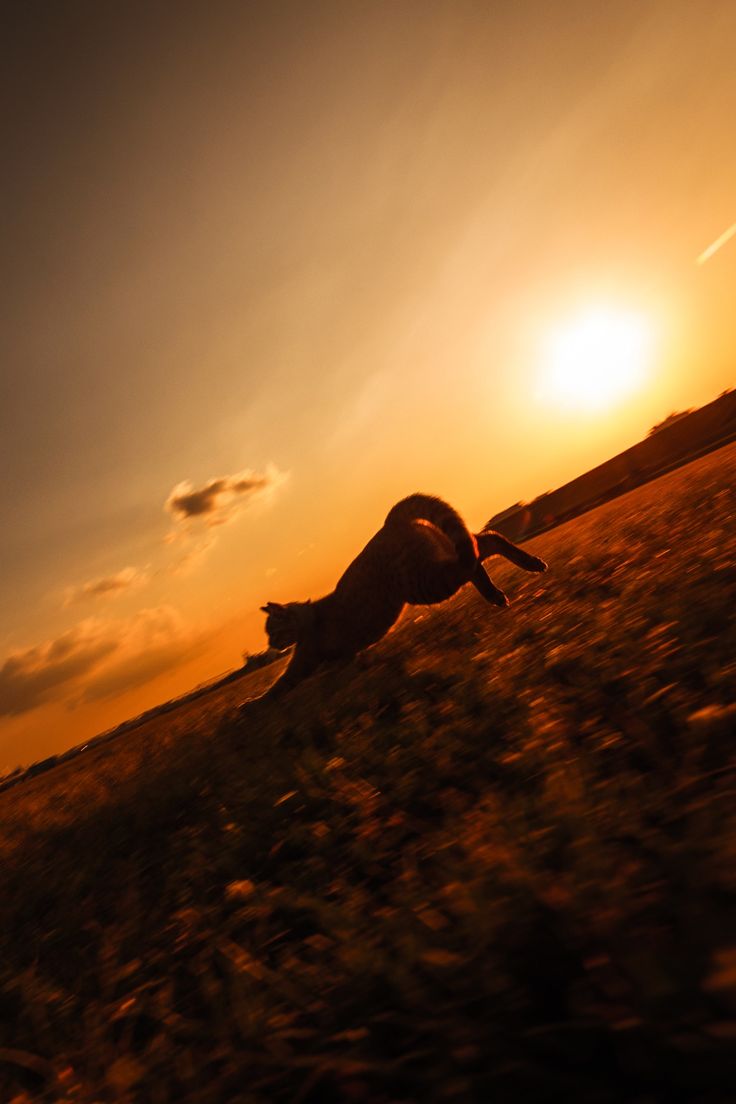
(498, 862)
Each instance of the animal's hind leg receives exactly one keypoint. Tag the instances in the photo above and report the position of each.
(481, 580)
(491, 543)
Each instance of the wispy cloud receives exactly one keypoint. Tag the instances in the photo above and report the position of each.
(108, 586)
(42, 673)
(95, 659)
(191, 557)
(219, 499)
(155, 641)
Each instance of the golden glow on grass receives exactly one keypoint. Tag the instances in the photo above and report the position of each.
(596, 358)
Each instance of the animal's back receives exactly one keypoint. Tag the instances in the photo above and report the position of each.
(439, 553)
(423, 553)
(436, 512)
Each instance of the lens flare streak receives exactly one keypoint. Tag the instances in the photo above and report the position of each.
(716, 245)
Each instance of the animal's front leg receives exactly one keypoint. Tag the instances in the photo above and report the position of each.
(300, 667)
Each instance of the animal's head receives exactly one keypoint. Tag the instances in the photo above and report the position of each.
(283, 623)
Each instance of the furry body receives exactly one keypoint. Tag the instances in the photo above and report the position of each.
(423, 554)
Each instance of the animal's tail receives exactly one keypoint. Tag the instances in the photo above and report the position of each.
(428, 508)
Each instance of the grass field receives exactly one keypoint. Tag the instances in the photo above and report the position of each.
(495, 863)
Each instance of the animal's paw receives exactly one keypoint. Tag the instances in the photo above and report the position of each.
(501, 599)
(538, 564)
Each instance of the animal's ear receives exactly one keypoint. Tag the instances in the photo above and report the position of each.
(271, 606)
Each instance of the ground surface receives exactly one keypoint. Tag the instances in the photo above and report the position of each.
(496, 863)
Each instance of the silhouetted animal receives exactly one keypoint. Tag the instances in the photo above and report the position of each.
(423, 554)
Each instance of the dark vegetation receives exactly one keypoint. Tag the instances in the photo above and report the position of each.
(497, 862)
(675, 416)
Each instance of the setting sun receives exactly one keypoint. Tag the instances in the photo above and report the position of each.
(596, 358)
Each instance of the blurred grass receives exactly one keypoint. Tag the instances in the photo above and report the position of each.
(496, 862)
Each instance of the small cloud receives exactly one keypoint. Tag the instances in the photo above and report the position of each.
(221, 498)
(95, 659)
(109, 586)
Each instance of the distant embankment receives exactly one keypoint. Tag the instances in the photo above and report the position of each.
(677, 443)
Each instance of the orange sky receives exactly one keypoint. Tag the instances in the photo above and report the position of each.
(271, 267)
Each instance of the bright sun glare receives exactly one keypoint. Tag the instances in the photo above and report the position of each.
(596, 358)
